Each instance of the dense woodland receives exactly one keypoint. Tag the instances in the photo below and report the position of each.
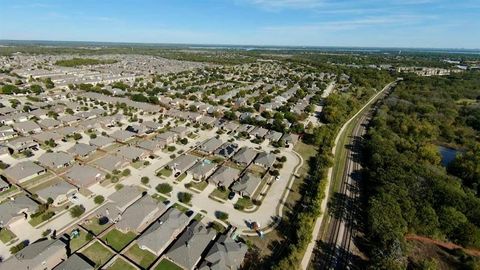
(409, 190)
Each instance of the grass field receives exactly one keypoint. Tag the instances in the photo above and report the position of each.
(76, 243)
(6, 235)
(98, 254)
(217, 193)
(165, 264)
(164, 172)
(141, 257)
(117, 239)
(243, 203)
(41, 218)
(121, 264)
(199, 186)
(94, 226)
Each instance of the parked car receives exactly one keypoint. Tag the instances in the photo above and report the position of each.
(231, 195)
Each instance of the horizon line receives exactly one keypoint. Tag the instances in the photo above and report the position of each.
(240, 45)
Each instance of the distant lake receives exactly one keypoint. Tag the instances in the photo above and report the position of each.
(448, 154)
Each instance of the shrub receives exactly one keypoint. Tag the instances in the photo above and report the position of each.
(221, 215)
(19, 247)
(89, 236)
(275, 173)
(118, 186)
(77, 136)
(126, 172)
(171, 148)
(146, 163)
(184, 197)
(282, 159)
(47, 216)
(164, 188)
(99, 199)
(77, 211)
(145, 180)
(184, 141)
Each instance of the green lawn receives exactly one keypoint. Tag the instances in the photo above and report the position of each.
(41, 218)
(142, 257)
(220, 194)
(137, 164)
(11, 189)
(82, 239)
(159, 197)
(93, 226)
(165, 264)
(181, 177)
(243, 203)
(98, 254)
(6, 235)
(121, 264)
(117, 239)
(199, 186)
(164, 172)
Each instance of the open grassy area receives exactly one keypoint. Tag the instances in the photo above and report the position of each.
(78, 242)
(41, 218)
(199, 186)
(117, 239)
(181, 177)
(220, 194)
(121, 264)
(6, 235)
(98, 254)
(137, 164)
(141, 257)
(180, 207)
(94, 226)
(243, 203)
(164, 172)
(165, 264)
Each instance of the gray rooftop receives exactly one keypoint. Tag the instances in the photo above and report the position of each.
(139, 213)
(210, 145)
(23, 170)
(265, 159)
(224, 176)
(32, 256)
(187, 250)
(55, 190)
(245, 155)
(81, 149)
(101, 141)
(225, 254)
(247, 184)
(12, 208)
(125, 196)
(84, 175)
(183, 162)
(55, 160)
(110, 162)
(157, 237)
(74, 262)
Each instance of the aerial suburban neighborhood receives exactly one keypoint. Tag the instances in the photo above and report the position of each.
(177, 176)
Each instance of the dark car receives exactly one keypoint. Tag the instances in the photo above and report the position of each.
(231, 195)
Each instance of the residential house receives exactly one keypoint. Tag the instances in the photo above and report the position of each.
(16, 211)
(187, 250)
(245, 156)
(290, 139)
(226, 254)
(259, 132)
(230, 126)
(125, 197)
(132, 153)
(59, 192)
(74, 262)
(182, 163)
(152, 145)
(169, 137)
(23, 171)
(122, 135)
(163, 231)
(227, 150)
(139, 130)
(182, 132)
(21, 144)
(56, 160)
(7, 133)
(209, 145)
(27, 127)
(202, 170)
(111, 163)
(48, 123)
(101, 142)
(224, 176)
(152, 125)
(84, 175)
(68, 119)
(41, 255)
(140, 215)
(247, 185)
(44, 136)
(265, 160)
(81, 150)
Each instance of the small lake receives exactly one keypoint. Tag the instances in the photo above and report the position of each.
(448, 154)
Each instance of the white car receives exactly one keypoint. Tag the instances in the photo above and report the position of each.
(277, 178)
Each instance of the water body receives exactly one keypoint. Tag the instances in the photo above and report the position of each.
(448, 155)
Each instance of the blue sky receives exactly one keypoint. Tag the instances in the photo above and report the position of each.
(377, 23)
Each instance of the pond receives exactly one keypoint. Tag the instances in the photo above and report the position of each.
(448, 154)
